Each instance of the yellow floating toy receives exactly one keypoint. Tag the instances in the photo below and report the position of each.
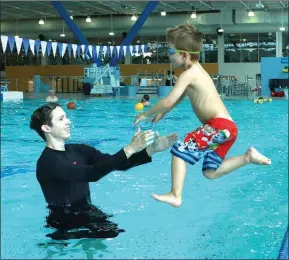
(139, 106)
(262, 100)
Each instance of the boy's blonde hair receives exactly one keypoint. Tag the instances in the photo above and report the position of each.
(186, 37)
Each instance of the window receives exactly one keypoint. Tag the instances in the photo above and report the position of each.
(249, 47)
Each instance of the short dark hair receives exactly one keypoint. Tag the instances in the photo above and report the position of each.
(42, 116)
(146, 97)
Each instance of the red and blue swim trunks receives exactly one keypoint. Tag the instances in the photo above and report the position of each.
(211, 141)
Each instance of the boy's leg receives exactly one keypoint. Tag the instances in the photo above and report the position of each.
(174, 197)
(236, 162)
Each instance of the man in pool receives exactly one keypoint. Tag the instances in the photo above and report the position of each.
(65, 170)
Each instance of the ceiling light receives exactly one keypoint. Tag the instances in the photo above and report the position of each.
(111, 33)
(50, 40)
(62, 35)
(194, 15)
(41, 21)
(71, 17)
(282, 29)
(251, 13)
(260, 5)
(221, 30)
(16, 36)
(88, 19)
(133, 18)
(163, 13)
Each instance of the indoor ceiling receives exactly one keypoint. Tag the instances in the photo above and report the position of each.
(44, 9)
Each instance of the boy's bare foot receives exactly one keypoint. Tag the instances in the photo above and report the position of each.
(253, 156)
(169, 198)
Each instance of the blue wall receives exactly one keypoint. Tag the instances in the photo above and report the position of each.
(271, 68)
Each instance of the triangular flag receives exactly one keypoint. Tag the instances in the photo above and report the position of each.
(26, 45)
(18, 44)
(48, 48)
(4, 40)
(83, 49)
(64, 45)
(136, 48)
(111, 50)
(11, 41)
(117, 49)
(54, 48)
(74, 48)
(90, 50)
(43, 47)
(131, 49)
(142, 48)
(37, 46)
(32, 46)
(125, 50)
(121, 53)
(69, 50)
(97, 50)
(104, 49)
(78, 50)
(59, 44)
(93, 51)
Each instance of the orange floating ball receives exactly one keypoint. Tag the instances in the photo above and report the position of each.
(71, 105)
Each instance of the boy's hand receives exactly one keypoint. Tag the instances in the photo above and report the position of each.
(158, 117)
(140, 141)
(139, 118)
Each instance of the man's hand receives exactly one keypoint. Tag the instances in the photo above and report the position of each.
(140, 141)
(161, 143)
(158, 117)
(139, 118)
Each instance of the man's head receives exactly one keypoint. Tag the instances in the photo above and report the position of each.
(185, 44)
(145, 98)
(52, 92)
(50, 121)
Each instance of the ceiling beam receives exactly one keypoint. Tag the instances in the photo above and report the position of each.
(49, 5)
(95, 7)
(207, 5)
(30, 10)
(125, 4)
(165, 4)
(109, 8)
(244, 4)
(283, 4)
(17, 15)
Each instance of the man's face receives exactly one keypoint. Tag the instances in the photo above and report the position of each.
(60, 128)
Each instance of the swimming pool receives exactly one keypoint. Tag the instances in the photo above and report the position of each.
(242, 215)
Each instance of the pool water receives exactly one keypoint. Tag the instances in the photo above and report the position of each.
(241, 215)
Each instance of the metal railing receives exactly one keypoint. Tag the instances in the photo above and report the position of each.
(61, 84)
(229, 87)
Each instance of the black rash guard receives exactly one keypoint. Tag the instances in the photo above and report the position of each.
(64, 178)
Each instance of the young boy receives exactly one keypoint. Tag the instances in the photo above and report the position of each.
(218, 132)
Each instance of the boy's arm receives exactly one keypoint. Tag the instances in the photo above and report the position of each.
(160, 116)
(175, 97)
(179, 101)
